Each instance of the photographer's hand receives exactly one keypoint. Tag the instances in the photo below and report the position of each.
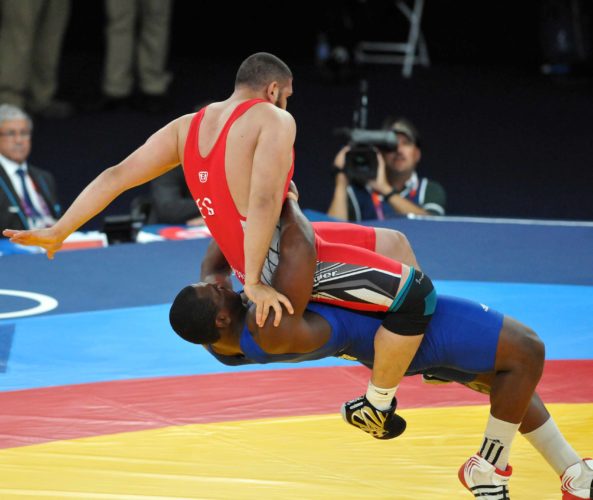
(380, 183)
(339, 163)
(340, 159)
(339, 204)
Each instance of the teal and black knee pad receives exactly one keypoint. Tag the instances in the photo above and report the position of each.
(411, 311)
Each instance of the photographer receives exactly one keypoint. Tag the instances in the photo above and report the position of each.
(378, 180)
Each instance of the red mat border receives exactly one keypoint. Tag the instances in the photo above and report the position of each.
(74, 411)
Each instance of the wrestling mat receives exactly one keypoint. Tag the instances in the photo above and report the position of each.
(100, 400)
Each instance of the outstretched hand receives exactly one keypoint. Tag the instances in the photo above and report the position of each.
(264, 297)
(45, 238)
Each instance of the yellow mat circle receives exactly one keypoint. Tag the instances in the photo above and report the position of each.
(316, 457)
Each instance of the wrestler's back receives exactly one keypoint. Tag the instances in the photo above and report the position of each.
(240, 145)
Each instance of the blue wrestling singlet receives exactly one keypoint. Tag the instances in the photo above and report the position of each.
(462, 336)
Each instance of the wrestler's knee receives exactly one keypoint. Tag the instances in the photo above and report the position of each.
(534, 347)
(527, 350)
(411, 313)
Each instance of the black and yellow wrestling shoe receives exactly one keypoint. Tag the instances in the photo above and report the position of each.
(381, 424)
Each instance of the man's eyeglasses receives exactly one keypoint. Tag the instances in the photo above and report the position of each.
(13, 134)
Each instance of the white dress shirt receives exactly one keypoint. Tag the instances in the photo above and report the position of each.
(39, 204)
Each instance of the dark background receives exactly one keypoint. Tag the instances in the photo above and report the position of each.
(502, 137)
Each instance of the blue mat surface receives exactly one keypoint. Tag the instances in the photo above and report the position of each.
(111, 319)
(119, 344)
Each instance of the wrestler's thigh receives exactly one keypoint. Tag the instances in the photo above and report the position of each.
(346, 233)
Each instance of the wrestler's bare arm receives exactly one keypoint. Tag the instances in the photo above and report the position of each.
(271, 163)
(294, 278)
(215, 268)
(156, 156)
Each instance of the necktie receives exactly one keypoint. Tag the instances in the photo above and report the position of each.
(30, 210)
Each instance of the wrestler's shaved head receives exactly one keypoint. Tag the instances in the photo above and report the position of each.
(261, 69)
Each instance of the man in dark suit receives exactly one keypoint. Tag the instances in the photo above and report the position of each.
(28, 196)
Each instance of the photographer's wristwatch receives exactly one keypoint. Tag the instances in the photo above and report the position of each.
(336, 170)
(391, 193)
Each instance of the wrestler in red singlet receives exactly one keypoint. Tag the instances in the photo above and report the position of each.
(350, 275)
(206, 178)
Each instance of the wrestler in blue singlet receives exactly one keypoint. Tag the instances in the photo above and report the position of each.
(460, 341)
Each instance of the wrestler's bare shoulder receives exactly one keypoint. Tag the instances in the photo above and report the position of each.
(274, 120)
(184, 120)
(268, 111)
(182, 124)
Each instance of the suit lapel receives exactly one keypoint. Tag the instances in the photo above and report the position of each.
(8, 183)
(13, 199)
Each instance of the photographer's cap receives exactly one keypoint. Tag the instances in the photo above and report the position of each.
(405, 127)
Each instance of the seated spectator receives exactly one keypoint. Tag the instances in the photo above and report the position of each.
(28, 196)
(397, 189)
(172, 202)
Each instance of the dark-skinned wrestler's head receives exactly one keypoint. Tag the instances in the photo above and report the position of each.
(195, 309)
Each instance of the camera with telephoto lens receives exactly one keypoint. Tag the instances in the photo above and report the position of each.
(361, 161)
